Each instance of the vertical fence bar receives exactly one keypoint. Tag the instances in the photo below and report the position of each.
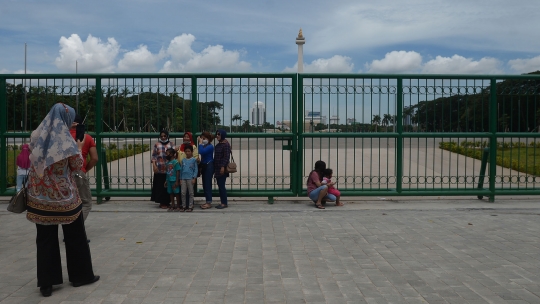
(493, 138)
(194, 112)
(399, 139)
(298, 130)
(294, 164)
(99, 129)
(3, 130)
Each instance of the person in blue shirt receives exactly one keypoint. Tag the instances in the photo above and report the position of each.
(173, 178)
(206, 154)
(188, 178)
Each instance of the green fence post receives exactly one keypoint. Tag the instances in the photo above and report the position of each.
(297, 131)
(99, 127)
(3, 130)
(483, 170)
(493, 138)
(194, 109)
(105, 172)
(399, 138)
(295, 188)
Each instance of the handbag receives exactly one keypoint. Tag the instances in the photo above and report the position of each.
(17, 204)
(231, 166)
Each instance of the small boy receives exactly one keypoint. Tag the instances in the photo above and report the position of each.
(189, 178)
(173, 179)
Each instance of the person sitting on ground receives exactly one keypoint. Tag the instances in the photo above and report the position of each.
(188, 178)
(173, 179)
(327, 180)
(318, 192)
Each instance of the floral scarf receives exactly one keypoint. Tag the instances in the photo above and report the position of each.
(51, 141)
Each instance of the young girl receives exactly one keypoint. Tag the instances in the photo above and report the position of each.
(173, 179)
(188, 178)
(327, 180)
(23, 164)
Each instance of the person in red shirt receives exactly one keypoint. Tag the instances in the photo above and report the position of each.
(89, 148)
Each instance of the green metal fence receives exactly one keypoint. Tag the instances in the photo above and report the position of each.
(382, 135)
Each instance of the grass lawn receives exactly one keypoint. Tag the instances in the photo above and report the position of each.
(521, 158)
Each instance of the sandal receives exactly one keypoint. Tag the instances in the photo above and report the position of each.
(170, 209)
(319, 206)
(339, 204)
(163, 207)
(206, 206)
(181, 209)
(189, 209)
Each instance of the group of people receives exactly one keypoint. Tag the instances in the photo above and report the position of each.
(58, 193)
(176, 169)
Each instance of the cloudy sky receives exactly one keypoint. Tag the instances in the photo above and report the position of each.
(342, 36)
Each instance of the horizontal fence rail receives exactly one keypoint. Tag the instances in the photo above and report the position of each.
(382, 135)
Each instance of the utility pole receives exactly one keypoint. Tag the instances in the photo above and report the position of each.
(25, 97)
(77, 96)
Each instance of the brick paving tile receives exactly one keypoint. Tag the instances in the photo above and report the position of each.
(290, 253)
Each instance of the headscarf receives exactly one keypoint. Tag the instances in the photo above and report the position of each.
(166, 133)
(191, 142)
(51, 142)
(223, 134)
(23, 160)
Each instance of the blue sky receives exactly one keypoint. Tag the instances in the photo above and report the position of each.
(356, 36)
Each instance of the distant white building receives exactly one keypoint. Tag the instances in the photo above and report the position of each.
(351, 121)
(315, 117)
(258, 114)
(334, 120)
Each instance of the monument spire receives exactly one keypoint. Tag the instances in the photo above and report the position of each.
(300, 41)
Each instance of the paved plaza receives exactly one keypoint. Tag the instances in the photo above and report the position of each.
(372, 250)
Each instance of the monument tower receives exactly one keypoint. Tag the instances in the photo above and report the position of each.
(300, 40)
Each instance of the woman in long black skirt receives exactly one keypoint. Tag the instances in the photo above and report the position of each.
(159, 161)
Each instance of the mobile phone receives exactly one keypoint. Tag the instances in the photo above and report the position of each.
(79, 135)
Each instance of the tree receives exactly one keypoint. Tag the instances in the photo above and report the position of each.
(236, 118)
(387, 119)
(246, 125)
(376, 121)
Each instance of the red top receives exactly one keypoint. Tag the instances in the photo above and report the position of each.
(88, 143)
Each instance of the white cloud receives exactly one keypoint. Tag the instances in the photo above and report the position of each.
(91, 55)
(336, 64)
(525, 65)
(461, 65)
(21, 71)
(4, 71)
(213, 58)
(396, 62)
(139, 60)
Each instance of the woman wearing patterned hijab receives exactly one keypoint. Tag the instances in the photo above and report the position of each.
(53, 200)
(159, 165)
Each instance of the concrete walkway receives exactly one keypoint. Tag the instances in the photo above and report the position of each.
(413, 250)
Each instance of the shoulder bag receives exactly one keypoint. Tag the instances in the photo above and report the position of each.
(231, 166)
(17, 204)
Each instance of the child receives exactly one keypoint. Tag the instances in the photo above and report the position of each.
(189, 178)
(23, 165)
(327, 180)
(173, 178)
